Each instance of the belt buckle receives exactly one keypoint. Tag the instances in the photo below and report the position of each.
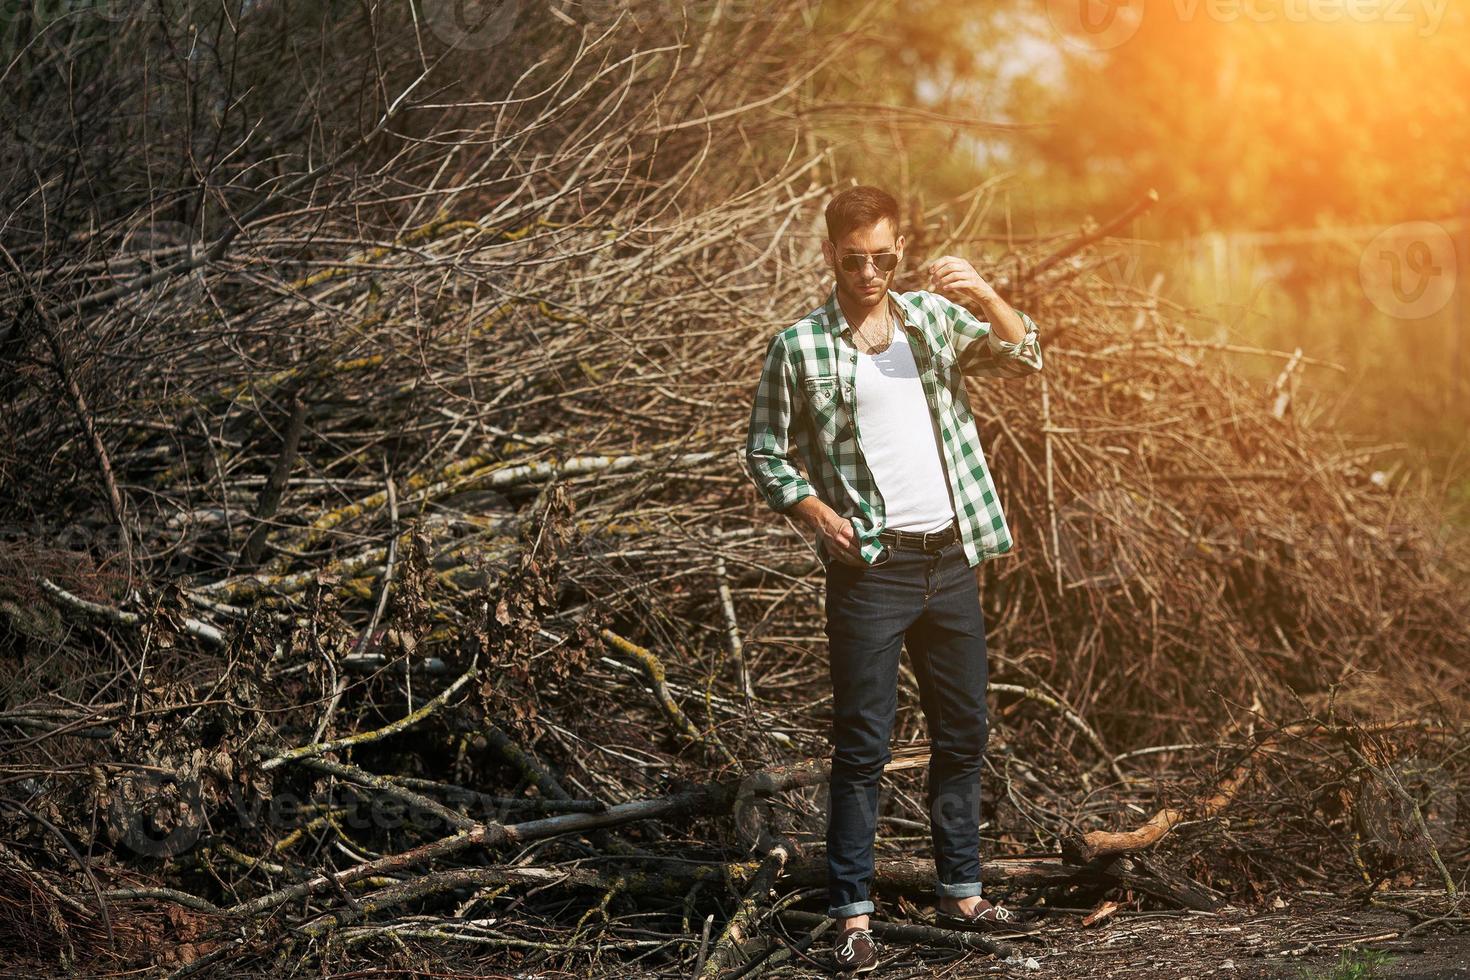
(937, 535)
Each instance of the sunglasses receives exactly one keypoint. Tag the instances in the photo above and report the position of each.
(883, 261)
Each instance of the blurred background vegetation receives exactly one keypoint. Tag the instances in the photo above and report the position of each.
(1298, 149)
(1309, 155)
(312, 301)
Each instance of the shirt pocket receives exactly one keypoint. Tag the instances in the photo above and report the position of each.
(949, 382)
(947, 378)
(828, 409)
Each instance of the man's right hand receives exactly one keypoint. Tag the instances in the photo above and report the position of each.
(834, 530)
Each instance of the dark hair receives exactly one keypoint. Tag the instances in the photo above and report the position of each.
(858, 207)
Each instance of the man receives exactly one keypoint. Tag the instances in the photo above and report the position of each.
(868, 392)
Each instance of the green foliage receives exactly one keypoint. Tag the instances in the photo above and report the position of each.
(1244, 117)
(1353, 964)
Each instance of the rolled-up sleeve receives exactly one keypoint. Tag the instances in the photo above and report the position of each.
(981, 353)
(768, 439)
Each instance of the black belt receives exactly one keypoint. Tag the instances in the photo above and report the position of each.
(924, 541)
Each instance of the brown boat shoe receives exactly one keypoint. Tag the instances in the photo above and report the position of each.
(988, 918)
(855, 951)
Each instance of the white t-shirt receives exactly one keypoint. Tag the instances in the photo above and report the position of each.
(899, 439)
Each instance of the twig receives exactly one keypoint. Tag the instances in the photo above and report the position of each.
(362, 738)
(96, 610)
(654, 669)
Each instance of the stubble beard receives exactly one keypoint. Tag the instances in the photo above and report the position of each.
(854, 294)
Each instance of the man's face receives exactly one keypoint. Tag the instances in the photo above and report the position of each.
(867, 284)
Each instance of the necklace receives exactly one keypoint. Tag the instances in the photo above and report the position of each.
(887, 332)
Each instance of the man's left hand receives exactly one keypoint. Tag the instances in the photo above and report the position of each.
(957, 281)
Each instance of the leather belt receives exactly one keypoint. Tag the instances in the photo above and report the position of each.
(924, 541)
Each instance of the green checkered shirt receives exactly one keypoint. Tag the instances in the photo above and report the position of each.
(805, 402)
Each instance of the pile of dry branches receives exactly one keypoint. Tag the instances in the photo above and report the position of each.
(381, 581)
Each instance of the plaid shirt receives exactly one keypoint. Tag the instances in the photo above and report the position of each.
(805, 401)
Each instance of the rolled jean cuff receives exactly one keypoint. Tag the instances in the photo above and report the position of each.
(848, 911)
(957, 891)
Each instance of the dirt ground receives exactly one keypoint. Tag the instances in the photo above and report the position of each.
(1303, 941)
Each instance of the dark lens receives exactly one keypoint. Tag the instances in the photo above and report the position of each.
(885, 261)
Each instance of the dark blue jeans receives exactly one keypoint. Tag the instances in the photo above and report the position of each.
(930, 604)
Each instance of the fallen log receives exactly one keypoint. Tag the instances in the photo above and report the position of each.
(1087, 848)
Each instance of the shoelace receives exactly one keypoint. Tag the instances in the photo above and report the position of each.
(849, 944)
(1003, 914)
